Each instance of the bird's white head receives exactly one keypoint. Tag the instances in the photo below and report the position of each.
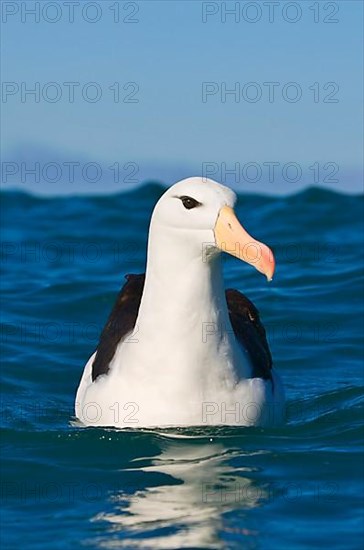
(201, 212)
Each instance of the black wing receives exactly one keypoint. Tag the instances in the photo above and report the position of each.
(120, 322)
(249, 331)
(244, 318)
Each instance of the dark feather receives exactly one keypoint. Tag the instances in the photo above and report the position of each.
(249, 331)
(244, 318)
(120, 323)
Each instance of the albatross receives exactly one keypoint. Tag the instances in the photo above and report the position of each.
(177, 349)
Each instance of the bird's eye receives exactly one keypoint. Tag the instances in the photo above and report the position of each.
(189, 202)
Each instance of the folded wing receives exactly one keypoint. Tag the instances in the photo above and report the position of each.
(244, 318)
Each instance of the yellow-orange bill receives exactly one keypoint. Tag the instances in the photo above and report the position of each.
(232, 238)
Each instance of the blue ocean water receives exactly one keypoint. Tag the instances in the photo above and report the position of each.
(297, 486)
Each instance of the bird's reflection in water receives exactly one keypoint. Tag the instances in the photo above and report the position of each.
(187, 510)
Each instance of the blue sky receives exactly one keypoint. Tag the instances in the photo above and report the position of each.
(165, 54)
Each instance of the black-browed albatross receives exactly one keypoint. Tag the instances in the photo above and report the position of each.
(177, 350)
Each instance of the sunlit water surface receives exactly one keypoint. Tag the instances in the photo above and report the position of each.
(64, 486)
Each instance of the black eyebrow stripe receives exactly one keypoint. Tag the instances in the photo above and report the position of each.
(181, 197)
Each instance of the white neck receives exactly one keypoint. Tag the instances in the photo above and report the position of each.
(184, 301)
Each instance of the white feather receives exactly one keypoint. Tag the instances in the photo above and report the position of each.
(182, 365)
